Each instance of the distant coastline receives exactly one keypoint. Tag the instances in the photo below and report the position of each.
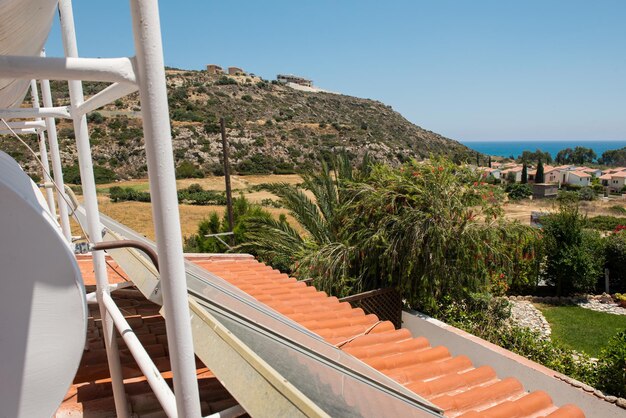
(515, 148)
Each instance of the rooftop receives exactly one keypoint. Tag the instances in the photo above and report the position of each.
(450, 382)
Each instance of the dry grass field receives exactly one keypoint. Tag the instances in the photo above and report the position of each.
(521, 210)
(138, 215)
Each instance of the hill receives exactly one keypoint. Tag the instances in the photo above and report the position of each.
(272, 128)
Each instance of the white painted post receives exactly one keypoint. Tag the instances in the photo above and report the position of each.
(159, 153)
(91, 207)
(57, 170)
(43, 152)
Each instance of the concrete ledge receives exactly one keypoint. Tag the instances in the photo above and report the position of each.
(532, 375)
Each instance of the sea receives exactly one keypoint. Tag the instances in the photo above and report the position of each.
(515, 148)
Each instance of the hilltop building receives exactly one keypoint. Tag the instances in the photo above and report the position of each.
(290, 78)
(236, 71)
(214, 69)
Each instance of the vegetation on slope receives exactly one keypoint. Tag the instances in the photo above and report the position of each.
(271, 128)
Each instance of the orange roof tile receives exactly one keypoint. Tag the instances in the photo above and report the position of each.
(580, 174)
(91, 395)
(452, 383)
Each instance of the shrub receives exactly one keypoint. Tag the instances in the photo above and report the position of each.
(246, 98)
(101, 174)
(604, 222)
(187, 170)
(612, 366)
(120, 194)
(518, 191)
(196, 195)
(224, 81)
(95, 117)
(615, 251)
(574, 256)
(587, 193)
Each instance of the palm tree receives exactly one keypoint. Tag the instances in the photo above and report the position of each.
(315, 206)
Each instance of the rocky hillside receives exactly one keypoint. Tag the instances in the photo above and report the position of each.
(271, 128)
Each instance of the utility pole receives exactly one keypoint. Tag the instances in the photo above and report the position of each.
(229, 193)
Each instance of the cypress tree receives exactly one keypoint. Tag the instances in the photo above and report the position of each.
(490, 161)
(477, 160)
(539, 177)
(524, 174)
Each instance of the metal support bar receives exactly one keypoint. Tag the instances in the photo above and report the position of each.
(42, 112)
(43, 150)
(151, 372)
(106, 96)
(18, 131)
(114, 70)
(55, 156)
(160, 157)
(85, 164)
(217, 237)
(35, 124)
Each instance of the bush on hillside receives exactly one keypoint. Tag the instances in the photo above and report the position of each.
(101, 174)
(186, 170)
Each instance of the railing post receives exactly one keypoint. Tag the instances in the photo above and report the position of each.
(43, 151)
(91, 207)
(159, 153)
(55, 156)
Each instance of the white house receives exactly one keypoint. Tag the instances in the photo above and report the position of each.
(578, 178)
(517, 171)
(614, 181)
(487, 172)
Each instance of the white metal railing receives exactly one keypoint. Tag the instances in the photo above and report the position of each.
(160, 388)
(145, 73)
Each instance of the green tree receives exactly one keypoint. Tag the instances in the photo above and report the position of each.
(539, 176)
(578, 155)
(536, 155)
(430, 230)
(318, 215)
(582, 155)
(616, 157)
(524, 173)
(574, 256)
(565, 156)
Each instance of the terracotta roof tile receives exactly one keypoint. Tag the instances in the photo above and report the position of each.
(91, 395)
(452, 383)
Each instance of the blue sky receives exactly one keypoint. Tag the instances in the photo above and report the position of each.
(470, 70)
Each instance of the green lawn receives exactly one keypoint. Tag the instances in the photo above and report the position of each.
(582, 329)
